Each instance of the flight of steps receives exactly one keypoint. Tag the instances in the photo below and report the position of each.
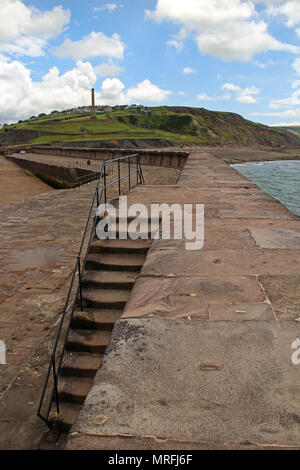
(111, 269)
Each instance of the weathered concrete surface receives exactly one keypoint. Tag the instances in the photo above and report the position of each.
(40, 239)
(196, 382)
(16, 184)
(57, 161)
(168, 158)
(43, 169)
(190, 296)
(69, 168)
(202, 355)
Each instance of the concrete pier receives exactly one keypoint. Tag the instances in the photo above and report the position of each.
(40, 239)
(16, 184)
(201, 358)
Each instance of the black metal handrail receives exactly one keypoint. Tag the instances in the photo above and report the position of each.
(74, 295)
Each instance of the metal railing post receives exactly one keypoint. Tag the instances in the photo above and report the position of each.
(55, 384)
(119, 177)
(79, 279)
(140, 174)
(97, 191)
(129, 173)
(105, 183)
(137, 169)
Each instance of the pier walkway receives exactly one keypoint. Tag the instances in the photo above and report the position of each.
(40, 239)
(202, 357)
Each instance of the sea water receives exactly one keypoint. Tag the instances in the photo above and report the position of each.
(280, 179)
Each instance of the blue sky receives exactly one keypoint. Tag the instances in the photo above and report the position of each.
(240, 56)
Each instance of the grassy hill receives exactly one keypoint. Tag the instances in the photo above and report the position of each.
(175, 124)
(293, 130)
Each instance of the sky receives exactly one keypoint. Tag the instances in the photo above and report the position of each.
(240, 56)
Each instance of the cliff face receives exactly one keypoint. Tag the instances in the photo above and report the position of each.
(230, 128)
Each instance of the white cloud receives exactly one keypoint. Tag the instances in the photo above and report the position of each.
(264, 65)
(18, 20)
(247, 99)
(226, 29)
(243, 95)
(177, 39)
(175, 43)
(33, 47)
(112, 92)
(108, 70)
(21, 97)
(284, 124)
(289, 113)
(92, 45)
(231, 87)
(296, 65)
(189, 70)
(4, 58)
(205, 97)
(294, 98)
(248, 95)
(22, 26)
(196, 12)
(290, 9)
(260, 65)
(110, 7)
(147, 91)
(296, 84)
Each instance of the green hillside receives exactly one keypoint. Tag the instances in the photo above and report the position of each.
(174, 124)
(294, 130)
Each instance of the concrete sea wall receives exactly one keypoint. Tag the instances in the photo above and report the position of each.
(56, 176)
(163, 158)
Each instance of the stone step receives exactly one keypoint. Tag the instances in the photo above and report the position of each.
(109, 279)
(120, 246)
(120, 217)
(74, 389)
(67, 416)
(115, 262)
(80, 364)
(96, 319)
(54, 440)
(122, 231)
(105, 298)
(129, 218)
(92, 341)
